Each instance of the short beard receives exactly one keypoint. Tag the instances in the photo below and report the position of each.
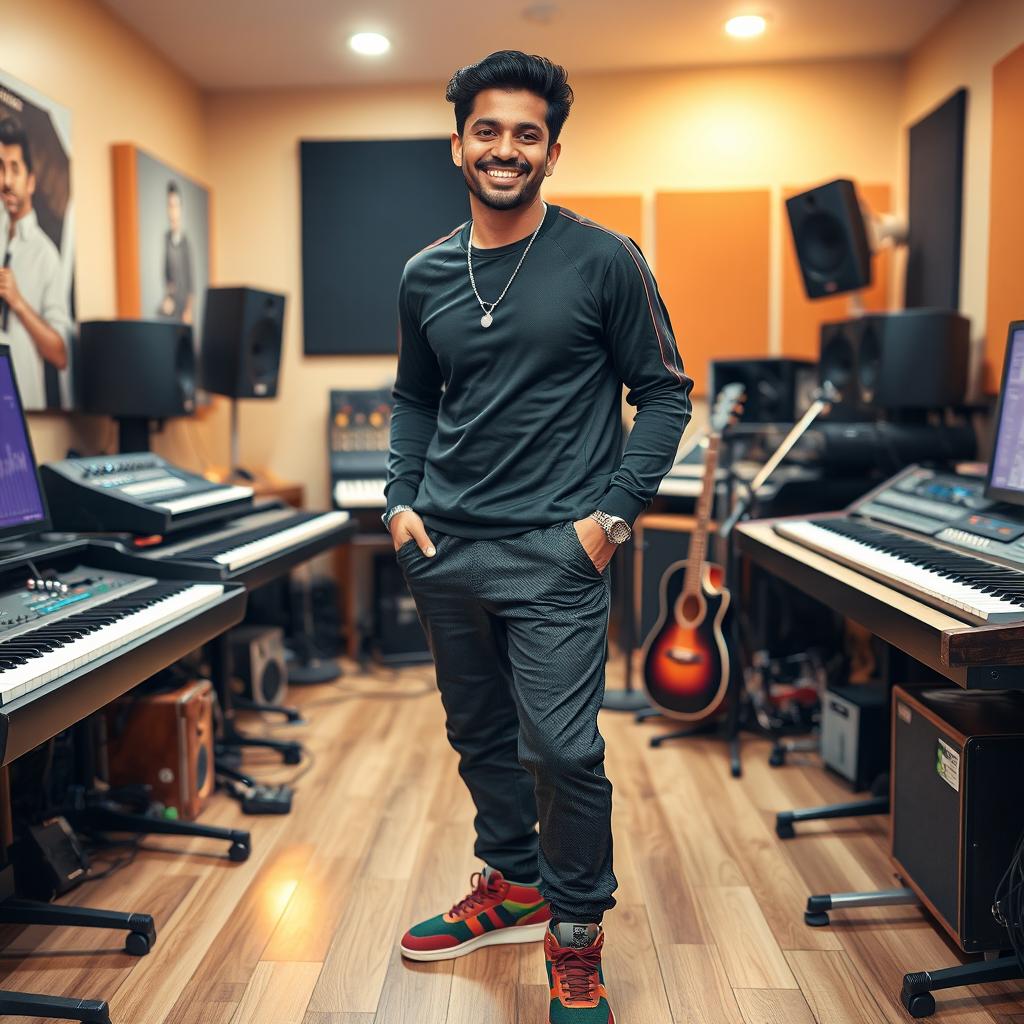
(504, 200)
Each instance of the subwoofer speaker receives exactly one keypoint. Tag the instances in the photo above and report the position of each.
(261, 673)
(241, 353)
(165, 741)
(830, 238)
(914, 359)
(136, 368)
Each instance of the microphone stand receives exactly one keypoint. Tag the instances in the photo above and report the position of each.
(826, 395)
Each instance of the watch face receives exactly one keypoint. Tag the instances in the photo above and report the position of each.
(620, 532)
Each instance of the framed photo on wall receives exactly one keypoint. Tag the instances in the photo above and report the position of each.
(162, 230)
(37, 243)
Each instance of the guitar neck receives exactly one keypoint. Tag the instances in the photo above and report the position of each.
(699, 538)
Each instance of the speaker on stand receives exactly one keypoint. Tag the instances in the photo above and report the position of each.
(241, 357)
(135, 371)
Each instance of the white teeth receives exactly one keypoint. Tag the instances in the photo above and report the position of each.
(503, 174)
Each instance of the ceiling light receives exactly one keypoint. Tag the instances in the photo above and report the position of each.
(370, 44)
(746, 26)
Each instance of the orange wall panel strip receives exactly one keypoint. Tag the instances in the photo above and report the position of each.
(1006, 220)
(802, 317)
(126, 228)
(624, 214)
(713, 254)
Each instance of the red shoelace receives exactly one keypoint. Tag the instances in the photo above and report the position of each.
(578, 969)
(481, 894)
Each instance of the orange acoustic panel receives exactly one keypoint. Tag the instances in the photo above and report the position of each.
(713, 256)
(1006, 221)
(624, 214)
(126, 226)
(802, 317)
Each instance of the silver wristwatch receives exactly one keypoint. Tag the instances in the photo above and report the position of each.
(616, 529)
(387, 516)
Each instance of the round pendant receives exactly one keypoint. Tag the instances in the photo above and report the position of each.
(486, 320)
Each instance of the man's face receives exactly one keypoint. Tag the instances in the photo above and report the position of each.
(17, 185)
(503, 151)
(174, 211)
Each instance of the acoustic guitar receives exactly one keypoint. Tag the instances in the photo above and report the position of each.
(686, 656)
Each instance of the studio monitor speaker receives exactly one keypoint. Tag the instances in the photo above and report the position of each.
(830, 238)
(913, 359)
(136, 368)
(165, 741)
(241, 351)
(261, 672)
(777, 390)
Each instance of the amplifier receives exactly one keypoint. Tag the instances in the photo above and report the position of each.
(165, 741)
(261, 673)
(958, 803)
(855, 732)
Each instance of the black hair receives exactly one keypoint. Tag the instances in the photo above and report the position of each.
(12, 133)
(512, 69)
(173, 190)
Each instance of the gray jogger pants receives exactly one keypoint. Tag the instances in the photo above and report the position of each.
(518, 628)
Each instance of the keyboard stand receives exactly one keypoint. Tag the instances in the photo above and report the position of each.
(232, 739)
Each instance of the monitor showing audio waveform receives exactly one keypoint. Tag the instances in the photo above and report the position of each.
(22, 510)
(1006, 473)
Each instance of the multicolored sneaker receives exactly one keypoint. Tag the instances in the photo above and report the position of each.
(578, 995)
(496, 911)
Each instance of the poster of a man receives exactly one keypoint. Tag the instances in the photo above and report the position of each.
(36, 243)
(179, 292)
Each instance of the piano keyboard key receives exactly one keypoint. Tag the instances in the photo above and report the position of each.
(280, 540)
(38, 656)
(204, 499)
(365, 493)
(965, 585)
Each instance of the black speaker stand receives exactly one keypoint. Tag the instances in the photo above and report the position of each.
(628, 698)
(132, 434)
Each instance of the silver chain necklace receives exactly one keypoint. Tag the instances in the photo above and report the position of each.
(488, 307)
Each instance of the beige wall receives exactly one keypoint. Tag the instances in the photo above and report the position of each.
(118, 90)
(719, 128)
(961, 51)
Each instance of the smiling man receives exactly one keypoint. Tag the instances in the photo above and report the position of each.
(508, 492)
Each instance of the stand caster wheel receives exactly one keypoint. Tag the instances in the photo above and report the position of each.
(920, 1005)
(293, 755)
(784, 826)
(777, 758)
(239, 852)
(655, 742)
(736, 771)
(137, 944)
(816, 920)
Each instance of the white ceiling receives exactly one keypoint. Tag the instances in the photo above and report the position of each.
(251, 44)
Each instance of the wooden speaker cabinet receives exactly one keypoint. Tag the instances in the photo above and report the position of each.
(957, 803)
(165, 740)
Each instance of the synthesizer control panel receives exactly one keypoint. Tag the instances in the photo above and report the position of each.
(950, 507)
(54, 596)
(137, 493)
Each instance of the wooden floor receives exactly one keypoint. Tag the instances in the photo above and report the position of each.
(708, 927)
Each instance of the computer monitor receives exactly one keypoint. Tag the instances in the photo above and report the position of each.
(22, 505)
(1006, 470)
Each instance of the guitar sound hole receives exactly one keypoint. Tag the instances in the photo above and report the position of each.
(690, 607)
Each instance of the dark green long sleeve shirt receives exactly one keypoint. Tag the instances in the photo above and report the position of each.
(503, 429)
